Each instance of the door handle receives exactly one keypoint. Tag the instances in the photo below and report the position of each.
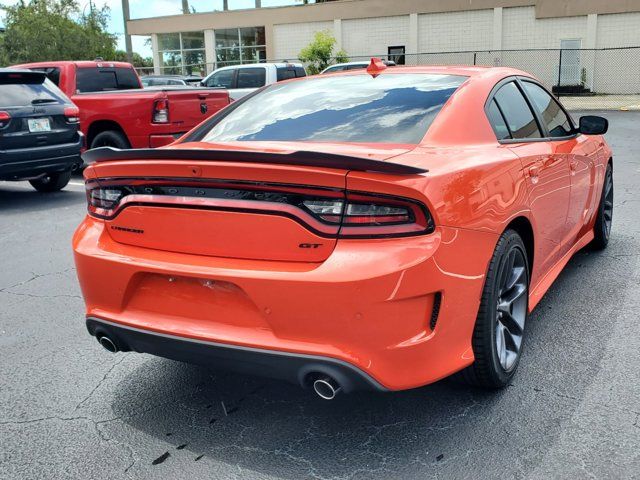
(573, 165)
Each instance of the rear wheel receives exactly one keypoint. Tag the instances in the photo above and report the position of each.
(604, 217)
(110, 138)
(51, 182)
(499, 331)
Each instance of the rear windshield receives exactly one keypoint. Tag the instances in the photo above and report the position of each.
(25, 90)
(286, 73)
(105, 79)
(391, 108)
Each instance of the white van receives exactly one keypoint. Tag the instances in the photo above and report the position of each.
(241, 80)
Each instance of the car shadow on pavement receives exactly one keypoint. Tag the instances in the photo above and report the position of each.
(245, 423)
(13, 198)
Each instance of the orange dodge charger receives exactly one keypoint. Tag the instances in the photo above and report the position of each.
(377, 229)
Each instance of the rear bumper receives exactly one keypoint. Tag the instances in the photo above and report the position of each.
(292, 367)
(36, 161)
(372, 306)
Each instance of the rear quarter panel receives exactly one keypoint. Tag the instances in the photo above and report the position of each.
(480, 188)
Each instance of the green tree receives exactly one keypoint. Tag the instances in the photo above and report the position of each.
(44, 30)
(4, 60)
(138, 60)
(319, 54)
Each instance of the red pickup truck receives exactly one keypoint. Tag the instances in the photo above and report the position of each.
(115, 111)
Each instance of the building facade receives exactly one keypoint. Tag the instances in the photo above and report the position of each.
(408, 31)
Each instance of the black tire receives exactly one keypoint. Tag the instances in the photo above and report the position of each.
(487, 371)
(52, 182)
(110, 138)
(604, 217)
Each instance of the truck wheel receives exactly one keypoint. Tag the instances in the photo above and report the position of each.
(51, 182)
(110, 138)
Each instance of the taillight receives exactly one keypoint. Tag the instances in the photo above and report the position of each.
(369, 215)
(103, 202)
(350, 215)
(72, 114)
(5, 117)
(160, 111)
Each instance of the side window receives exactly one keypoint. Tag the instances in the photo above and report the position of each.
(284, 73)
(497, 121)
(516, 111)
(557, 122)
(251, 77)
(222, 79)
(52, 73)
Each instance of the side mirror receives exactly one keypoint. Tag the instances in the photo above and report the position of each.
(593, 125)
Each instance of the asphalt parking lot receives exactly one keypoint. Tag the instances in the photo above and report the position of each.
(71, 410)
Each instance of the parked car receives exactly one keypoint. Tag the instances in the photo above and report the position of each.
(241, 80)
(172, 80)
(348, 231)
(40, 139)
(116, 111)
(341, 67)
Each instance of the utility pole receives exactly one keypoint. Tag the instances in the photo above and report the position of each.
(127, 38)
(225, 5)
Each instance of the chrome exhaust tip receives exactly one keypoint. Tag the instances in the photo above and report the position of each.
(326, 388)
(108, 344)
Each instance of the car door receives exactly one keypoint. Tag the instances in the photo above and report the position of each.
(248, 80)
(546, 174)
(579, 151)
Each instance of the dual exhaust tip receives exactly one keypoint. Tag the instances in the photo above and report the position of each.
(325, 386)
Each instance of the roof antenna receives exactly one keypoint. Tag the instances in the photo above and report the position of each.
(376, 67)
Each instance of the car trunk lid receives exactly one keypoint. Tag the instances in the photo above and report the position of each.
(223, 206)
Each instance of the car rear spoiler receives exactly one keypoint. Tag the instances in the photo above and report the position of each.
(305, 158)
(11, 75)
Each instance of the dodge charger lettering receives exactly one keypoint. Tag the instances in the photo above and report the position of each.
(375, 229)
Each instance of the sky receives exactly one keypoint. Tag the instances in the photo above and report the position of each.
(149, 8)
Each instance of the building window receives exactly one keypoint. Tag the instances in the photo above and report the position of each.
(236, 46)
(182, 53)
(396, 54)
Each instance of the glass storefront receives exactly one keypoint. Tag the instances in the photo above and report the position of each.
(182, 53)
(240, 45)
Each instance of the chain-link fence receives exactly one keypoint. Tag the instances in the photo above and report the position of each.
(606, 78)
